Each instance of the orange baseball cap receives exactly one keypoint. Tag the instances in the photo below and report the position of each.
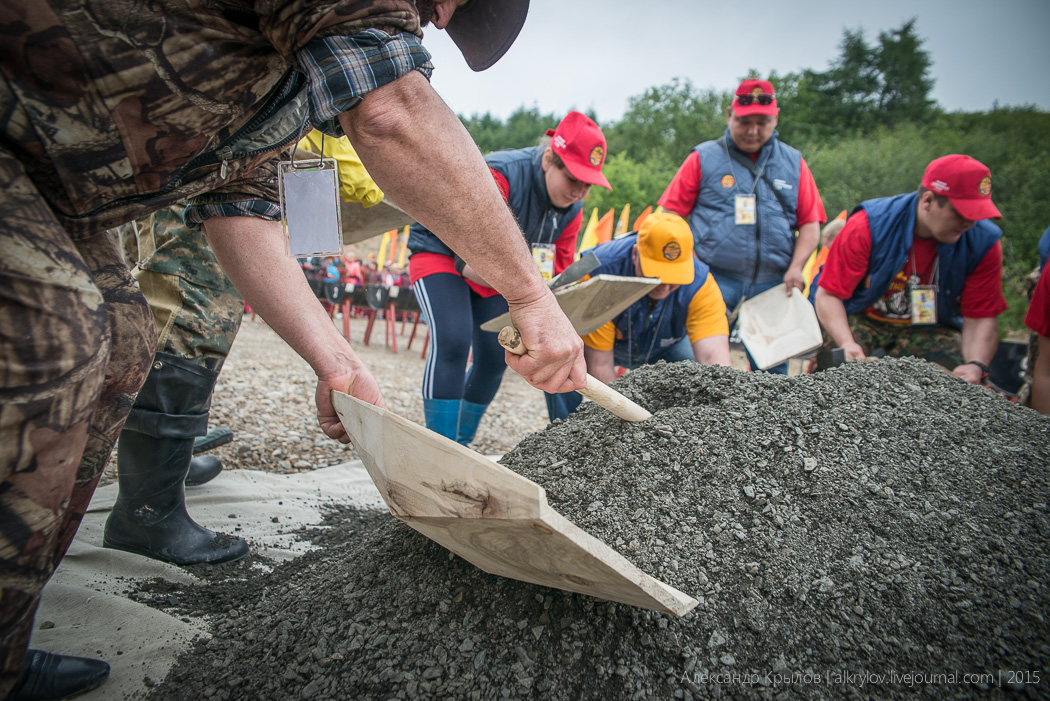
(966, 182)
(580, 144)
(665, 249)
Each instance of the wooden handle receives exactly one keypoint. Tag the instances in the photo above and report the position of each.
(595, 390)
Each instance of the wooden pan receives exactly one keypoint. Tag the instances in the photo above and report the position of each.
(489, 515)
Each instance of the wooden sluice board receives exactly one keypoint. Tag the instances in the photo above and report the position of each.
(489, 515)
(591, 303)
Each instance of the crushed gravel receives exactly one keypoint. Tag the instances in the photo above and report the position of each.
(876, 531)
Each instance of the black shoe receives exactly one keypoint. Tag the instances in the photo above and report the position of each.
(215, 438)
(46, 675)
(202, 470)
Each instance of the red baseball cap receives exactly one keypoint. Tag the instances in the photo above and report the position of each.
(966, 182)
(580, 144)
(751, 90)
(484, 29)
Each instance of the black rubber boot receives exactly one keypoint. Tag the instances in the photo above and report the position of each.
(153, 457)
(202, 470)
(46, 675)
(207, 467)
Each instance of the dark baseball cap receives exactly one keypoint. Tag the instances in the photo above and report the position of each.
(485, 29)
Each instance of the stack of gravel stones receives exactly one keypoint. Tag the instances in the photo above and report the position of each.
(876, 530)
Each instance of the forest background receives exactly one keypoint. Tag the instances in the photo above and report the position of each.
(867, 128)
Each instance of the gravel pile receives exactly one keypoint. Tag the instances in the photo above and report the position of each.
(873, 531)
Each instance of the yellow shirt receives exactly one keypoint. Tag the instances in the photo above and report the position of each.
(355, 185)
(706, 317)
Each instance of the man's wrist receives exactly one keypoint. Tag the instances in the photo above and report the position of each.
(979, 364)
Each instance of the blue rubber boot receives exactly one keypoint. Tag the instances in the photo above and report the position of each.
(442, 416)
(469, 417)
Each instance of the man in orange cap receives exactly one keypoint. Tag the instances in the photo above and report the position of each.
(745, 195)
(684, 318)
(908, 273)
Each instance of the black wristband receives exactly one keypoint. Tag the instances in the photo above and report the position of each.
(978, 363)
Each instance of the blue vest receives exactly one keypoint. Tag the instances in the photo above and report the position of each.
(541, 221)
(892, 222)
(646, 329)
(755, 253)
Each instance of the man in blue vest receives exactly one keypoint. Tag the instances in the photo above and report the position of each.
(684, 318)
(745, 195)
(909, 272)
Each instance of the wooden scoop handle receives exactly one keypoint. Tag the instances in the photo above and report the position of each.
(595, 390)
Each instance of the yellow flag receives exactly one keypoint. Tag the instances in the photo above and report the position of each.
(381, 258)
(624, 222)
(404, 249)
(590, 234)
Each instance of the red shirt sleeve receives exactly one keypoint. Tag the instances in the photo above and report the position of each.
(501, 183)
(680, 195)
(848, 258)
(982, 293)
(565, 246)
(1038, 317)
(810, 208)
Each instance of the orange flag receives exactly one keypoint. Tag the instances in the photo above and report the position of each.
(604, 230)
(641, 217)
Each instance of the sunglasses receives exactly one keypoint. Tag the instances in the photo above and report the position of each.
(762, 99)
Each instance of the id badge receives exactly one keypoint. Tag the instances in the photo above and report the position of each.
(744, 207)
(543, 254)
(923, 305)
(309, 192)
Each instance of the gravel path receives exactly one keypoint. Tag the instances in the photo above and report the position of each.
(265, 396)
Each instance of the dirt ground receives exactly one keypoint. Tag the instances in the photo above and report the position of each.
(876, 531)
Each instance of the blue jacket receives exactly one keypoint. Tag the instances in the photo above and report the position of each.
(755, 253)
(541, 221)
(646, 329)
(892, 222)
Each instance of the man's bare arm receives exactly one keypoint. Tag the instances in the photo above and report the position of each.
(422, 157)
(980, 339)
(831, 311)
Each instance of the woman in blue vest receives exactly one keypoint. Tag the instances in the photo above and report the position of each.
(544, 186)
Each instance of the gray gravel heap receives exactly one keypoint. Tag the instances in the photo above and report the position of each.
(873, 531)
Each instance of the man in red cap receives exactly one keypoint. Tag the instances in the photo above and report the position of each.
(544, 187)
(745, 195)
(908, 273)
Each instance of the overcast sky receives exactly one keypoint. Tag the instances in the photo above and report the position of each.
(595, 54)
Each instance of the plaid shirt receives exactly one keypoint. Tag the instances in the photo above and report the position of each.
(340, 70)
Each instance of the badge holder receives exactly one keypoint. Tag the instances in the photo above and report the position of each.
(923, 305)
(309, 195)
(543, 255)
(744, 209)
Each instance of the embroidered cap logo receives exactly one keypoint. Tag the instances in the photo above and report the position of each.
(597, 154)
(671, 250)
(985, 186)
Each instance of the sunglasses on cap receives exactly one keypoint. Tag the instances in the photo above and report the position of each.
(762, 99)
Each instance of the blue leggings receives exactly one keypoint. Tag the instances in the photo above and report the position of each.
(454, 315)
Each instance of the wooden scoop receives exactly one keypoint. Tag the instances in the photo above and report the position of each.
(597, 391)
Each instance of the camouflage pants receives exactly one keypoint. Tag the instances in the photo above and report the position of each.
(76, 338)
(934, 344)
(197, 309)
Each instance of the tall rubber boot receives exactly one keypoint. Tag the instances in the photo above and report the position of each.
(442, 416)
(153, 457)
(469, 417)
